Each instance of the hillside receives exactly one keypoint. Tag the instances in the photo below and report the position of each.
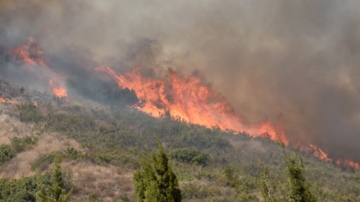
(101, 143)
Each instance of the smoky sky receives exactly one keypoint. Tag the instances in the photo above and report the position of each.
(294, 62)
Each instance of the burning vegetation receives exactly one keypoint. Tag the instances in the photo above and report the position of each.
(115, 76)
(33, 58)
(187, 99)
(183, 98)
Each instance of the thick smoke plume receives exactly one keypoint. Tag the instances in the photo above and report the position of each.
(297, 62)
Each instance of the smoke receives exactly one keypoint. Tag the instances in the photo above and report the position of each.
(296, 62)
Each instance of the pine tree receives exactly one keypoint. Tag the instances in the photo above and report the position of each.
(300, 191)
(58, 193)
(41, 195)
(156, 181)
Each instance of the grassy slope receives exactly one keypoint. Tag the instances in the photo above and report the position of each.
(112, 139)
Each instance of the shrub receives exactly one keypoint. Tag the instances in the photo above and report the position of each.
(189, 155)
(30, 113)
(6, 153)
(19, 144)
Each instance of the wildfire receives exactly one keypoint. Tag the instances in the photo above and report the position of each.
(320, 154)
(31, 55)
(189, 100)
(183, 98)
(57, 90)
(6, 100)
(348, 163)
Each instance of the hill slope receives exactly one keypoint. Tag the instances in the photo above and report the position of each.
(101, 146)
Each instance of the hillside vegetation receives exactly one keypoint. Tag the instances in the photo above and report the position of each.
(101, 146)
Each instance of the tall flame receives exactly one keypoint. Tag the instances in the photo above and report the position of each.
(189, 100)
(31, 55)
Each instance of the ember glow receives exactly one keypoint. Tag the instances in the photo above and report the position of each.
(189, 100)
(32, 56)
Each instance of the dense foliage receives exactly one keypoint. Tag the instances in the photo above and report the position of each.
(25, 189)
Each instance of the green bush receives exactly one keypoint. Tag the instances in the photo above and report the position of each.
(19, 144)
(189, 155)
(30, 113)
(6, 153)
(19, 190)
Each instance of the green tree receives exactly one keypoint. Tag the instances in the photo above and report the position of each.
(265, 191)
(156, 181)
(300, 191)
(57, 192)
(41, 195)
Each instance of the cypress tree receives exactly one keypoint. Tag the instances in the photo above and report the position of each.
(58, 193)
(156, 181)
(41, 195)
(300, 191)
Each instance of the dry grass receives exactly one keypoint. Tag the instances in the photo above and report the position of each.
(11, 127)
(21, 164)
(105, 183)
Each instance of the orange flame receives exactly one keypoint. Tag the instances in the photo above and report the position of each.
(6, 100)
(185, 99)
(31, 55)
(348, 163)
(324, 157)
(57, 90)
(320, 154)
(189, 100)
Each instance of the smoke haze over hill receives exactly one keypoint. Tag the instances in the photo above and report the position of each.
(293, 62)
